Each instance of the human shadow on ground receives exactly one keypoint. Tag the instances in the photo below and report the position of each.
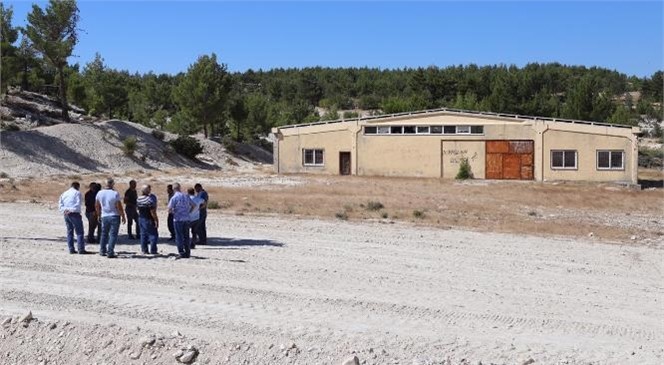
(58, 239)
(230, 243)
(223, 243)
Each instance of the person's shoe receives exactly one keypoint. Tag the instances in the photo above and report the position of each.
(192, 246)
(145, 252)
(102, 254)
(83, 252)
(111, 256)
(72, 252)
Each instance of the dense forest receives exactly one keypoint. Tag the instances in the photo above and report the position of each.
(245, 105)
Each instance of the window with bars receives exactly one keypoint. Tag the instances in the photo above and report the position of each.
(564, 159)
(313, 157)
(610, 160)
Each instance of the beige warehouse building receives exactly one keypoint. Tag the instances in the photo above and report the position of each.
(433, 143)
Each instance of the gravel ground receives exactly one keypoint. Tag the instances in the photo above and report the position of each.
(268, 290)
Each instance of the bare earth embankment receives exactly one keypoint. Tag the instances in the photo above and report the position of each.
(390, 293)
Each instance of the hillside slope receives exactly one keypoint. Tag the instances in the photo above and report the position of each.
(97, 147)
(34, 141)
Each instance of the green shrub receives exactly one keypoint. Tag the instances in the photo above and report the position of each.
(187, 146)
(464, 170)
(384, 215)
(129, 145)
(350, 115)
(342, 216)
(3, 175)
(374, 206)
(651, 157)
(156, 133)
(418, 214)
(213, 204)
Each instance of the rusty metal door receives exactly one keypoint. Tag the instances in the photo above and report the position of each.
(509, 160)
(344, 163)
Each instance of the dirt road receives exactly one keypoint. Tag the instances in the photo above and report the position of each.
(391, 293)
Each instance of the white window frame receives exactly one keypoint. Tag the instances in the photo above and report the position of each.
(610, 152)
(403, 129)
(447, 126)
(383, 129)
(314, 164)
(438, 126)
(477, 134)
(464, 127)
(564, 151)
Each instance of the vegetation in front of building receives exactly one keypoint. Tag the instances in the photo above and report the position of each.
(465, 171)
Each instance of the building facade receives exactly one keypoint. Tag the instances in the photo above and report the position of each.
(433, 143)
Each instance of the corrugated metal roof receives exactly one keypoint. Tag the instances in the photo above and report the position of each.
(458, 112)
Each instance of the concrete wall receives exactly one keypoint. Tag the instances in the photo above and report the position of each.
(454, 151)
(586, 146)
(425, 156)
(331, 140)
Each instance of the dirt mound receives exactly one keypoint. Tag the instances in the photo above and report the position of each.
(98, 147)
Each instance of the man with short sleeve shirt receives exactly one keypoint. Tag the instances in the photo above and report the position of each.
(70, 206)
(109, 209)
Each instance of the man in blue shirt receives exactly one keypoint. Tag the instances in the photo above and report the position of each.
(70, 206)
(181, 205)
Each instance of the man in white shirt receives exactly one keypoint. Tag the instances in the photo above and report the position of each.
(108, 206)
(70, 206)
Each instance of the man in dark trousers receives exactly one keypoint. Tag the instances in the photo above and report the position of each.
(93, 220)
(169, 220)
(130, 198)
(202, 228)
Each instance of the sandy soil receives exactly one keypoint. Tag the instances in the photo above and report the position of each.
(390, 293)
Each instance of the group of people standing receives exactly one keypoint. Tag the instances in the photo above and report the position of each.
(187, 215)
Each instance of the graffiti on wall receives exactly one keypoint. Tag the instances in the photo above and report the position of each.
(455, 155)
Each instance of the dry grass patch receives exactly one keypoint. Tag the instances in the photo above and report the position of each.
(565, 209)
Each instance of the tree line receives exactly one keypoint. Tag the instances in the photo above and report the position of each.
(208, 98)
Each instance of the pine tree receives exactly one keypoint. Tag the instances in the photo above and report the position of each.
(53, 34)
